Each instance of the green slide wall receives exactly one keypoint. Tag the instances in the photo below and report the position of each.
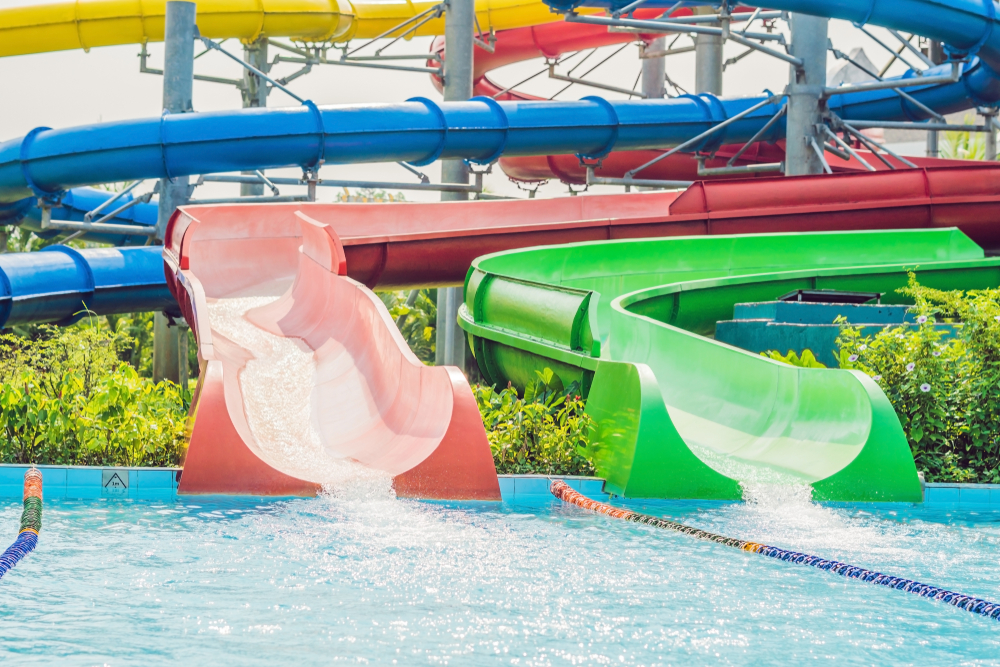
(680, 415)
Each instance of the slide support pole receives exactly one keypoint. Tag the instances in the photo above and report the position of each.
(654, 71)
(459, 30)
(935, 51)
(178, 81)
(707, 59)
(254, 93)
(805, 91)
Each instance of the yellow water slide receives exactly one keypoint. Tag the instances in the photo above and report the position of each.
(85, 24)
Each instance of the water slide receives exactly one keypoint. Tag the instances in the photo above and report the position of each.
(555, 40)
(679, 415)
(46, 162)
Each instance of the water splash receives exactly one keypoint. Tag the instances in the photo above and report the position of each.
(277, 385)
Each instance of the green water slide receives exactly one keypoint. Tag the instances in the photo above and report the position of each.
(680, 415)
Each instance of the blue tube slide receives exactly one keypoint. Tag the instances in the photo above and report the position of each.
(46, 162)
(58, 284)
(966, 27)
(73, 206)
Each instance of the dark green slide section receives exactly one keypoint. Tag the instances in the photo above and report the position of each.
(680, 415)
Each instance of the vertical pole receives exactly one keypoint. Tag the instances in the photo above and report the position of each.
(459, 30)
(178, 81)
(935, 51)
(805, 91)
(654, 71)
(707, 59)
(991, 135)
(254, 93)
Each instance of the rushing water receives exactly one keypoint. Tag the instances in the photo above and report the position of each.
(360, 577)
(277, 387)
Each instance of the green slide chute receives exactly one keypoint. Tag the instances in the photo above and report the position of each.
(680, 415)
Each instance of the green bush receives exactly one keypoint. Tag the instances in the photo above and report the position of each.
(807, 360)
(945, 389)
(416, 320)
(66, 397)
(545, 432)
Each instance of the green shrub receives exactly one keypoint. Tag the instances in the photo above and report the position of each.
(416, 321)
(945, 389)
(66, 397)
(545, 432)
(807, 360)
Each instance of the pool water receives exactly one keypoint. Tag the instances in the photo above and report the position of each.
(364, 578)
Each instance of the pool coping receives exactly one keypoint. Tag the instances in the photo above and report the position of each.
(148, 483)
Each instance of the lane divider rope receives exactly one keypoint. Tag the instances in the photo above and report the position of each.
(563, 492)
(31, 522)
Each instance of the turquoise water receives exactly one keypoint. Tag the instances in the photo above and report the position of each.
(374, 580)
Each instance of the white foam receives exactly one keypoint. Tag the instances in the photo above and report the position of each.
(276, 386)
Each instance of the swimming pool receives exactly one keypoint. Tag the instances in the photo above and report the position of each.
(364, 578)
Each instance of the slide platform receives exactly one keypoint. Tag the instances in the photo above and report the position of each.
(679, 415)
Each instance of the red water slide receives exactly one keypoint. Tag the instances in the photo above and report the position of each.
(372, 401)
(552, 41)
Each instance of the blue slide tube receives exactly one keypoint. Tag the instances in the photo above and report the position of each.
(46, 162)
(74, 205)
(58, 283)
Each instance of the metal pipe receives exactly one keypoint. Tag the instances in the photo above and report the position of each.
(98, 227)
(654, 70)
(954, 77)
(847, 147)
(708, 57)
(89, 215)
(805, 90)
(760, 133)
(872, 145)
(748, 169)
(935, 50)
(903, 125)
(178, 82)
(636, 182)
(335, 183)
(254, 93)
(665, 26)
(704, 135)
(459, 35)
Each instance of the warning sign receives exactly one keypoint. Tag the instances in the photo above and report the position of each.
(113, 480)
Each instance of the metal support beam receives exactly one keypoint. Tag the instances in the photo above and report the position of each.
(988, 116)
(805, 92)
(178, 80)
(459, 33)
(708, 59)
(654, 70)
(254, 93)
(935, 51)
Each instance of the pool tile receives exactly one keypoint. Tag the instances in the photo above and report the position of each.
(974, 496)
(13, 475)
(84, 477)
(8, 491)
(506, 488)
(153, 479)
(531, 486)
(941, 495)
(53, 479)
(592, 488)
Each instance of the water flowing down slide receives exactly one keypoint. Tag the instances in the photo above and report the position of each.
(679, 415)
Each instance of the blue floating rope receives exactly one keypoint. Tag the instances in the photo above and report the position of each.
(975, 605)
(31, 522)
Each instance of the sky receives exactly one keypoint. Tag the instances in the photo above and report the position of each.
(76, 88)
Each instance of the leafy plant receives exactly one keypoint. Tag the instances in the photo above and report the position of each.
(544, 432)
(807, 360)
(66, 397)
(416, 320)
(945, 387)
(964, 145)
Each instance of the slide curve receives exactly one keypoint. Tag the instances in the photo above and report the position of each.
(679, 415)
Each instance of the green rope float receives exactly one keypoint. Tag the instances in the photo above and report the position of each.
(563, 492)
(31, 522)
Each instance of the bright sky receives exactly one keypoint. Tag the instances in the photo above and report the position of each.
(76, 88)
